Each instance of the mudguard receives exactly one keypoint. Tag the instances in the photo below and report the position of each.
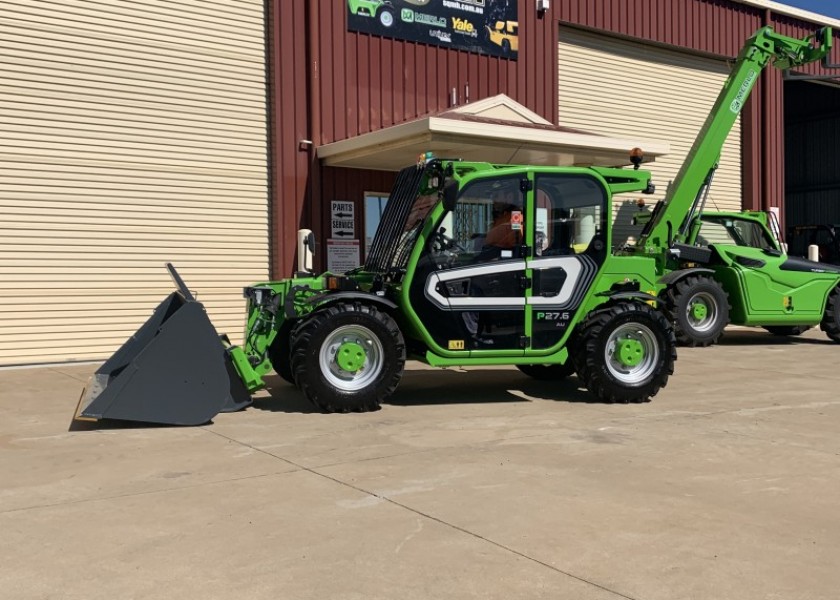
(675, 276)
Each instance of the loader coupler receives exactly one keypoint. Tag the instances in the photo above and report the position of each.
(174, 370)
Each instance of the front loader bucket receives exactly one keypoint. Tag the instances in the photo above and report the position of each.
(173, 370)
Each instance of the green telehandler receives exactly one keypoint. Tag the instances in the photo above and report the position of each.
(472, 264)
(720, 268)
(476, 264)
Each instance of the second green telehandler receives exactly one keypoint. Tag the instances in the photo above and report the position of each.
(721, 268)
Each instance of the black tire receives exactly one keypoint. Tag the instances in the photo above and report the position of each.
(505, 46)
(370, 343)
(548, 372)
(647, 337)
(386, 17)
(831, 318)
(699, 310)
(787, 330)
(280, 354)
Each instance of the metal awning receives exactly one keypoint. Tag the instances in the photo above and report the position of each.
(497, 130)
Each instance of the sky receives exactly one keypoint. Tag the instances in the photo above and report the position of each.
(830, 8)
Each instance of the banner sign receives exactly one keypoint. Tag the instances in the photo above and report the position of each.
(482, 26)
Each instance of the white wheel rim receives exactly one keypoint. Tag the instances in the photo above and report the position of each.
(707, 322)
(351, 381)
(637, 374)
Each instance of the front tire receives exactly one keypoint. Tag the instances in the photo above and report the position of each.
(626, 352)
(348, 357)
(548, 372)
(699, 309)
(831, 318)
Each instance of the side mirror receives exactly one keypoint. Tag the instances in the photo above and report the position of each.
(450, 195)
(306, 250)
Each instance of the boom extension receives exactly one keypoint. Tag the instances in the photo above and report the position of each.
(668, 224)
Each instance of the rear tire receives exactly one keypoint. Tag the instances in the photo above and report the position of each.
(626, 353)
(348, 357)
(831, 318)
(548, 372)
(699, 309)
(787, 330)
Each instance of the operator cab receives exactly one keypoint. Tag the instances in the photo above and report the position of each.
(515, 244)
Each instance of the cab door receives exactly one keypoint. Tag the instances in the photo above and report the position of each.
(570, 245)
(469, 285)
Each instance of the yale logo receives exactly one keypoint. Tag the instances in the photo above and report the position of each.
(456, 344)
(462, 25)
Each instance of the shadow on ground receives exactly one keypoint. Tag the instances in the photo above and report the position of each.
(442, 386)
(759, 337)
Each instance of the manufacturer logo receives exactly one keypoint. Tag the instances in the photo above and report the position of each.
(462, 25)
(407, 15)
(743, 92)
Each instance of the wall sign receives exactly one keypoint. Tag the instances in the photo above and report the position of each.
(342, 255)
(482, 26)
(343, 219)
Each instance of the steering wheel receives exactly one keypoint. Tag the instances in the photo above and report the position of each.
(443, 243)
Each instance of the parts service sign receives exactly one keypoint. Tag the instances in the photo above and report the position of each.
(482, 26)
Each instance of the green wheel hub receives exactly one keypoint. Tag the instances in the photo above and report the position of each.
(350, 357)
(699, 311)
(629, 352)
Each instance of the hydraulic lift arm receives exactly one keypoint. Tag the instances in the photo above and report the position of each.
(670, 222)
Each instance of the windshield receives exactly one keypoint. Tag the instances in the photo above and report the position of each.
(415, 193)
(740, 232)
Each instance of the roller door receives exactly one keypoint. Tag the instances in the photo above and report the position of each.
(132, 133)
(634, 90)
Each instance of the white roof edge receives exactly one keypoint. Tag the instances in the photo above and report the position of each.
(792, 11)
(429, 128)
(379, 137)
(443, 125)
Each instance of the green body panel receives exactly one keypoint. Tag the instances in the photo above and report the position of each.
(478, 359)
(262, 325)
(251, 378)
(770, 295)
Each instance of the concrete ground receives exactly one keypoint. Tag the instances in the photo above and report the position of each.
(469, 484)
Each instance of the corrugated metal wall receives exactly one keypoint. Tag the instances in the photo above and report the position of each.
(634, 90)
(294, 172)
(131, 134)
(713, 26)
